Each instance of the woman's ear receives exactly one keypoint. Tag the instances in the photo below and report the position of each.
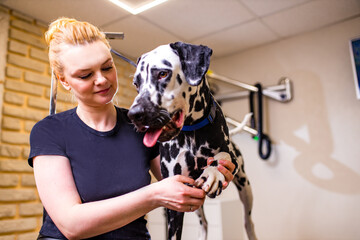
(63, 82)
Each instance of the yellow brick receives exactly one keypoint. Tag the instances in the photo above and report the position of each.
(14, 137)
(24, 113)
(8, 237)
(38, 103)
(26, 152)
(15, 166)
(28, 38)
(13, 72)
(3, 9)
(31, 209)
(26, 63)
(11, 123)
(27, 27)
(26, 224)
(18, 47)
(10, 151)
(15, 195)
(29, 125)
(38, 78)
(39, 54)
(9, 180)
(7, 210)
(23, 87)
(28, 180)
(27, 236)
(14, 98)
(22, 16)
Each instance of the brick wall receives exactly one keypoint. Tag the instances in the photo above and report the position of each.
(24, 99)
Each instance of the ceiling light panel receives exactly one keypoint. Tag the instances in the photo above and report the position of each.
(137, 6)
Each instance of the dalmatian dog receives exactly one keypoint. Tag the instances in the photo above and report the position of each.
(175, 107)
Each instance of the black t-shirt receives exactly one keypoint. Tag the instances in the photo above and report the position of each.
(104, 164)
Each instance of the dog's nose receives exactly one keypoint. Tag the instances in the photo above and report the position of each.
(136, 113)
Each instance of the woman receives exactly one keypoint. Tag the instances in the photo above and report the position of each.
(90, 166)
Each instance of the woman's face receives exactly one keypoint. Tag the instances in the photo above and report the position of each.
(89, 72)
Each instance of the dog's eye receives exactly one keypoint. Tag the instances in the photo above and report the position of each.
(162, 75)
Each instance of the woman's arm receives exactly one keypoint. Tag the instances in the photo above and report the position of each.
(78, 220)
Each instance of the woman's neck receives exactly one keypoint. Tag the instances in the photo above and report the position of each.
(99, 118)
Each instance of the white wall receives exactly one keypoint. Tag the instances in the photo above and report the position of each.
(310, 187)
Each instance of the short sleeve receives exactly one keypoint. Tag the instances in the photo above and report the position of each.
(46, 139)
(154, 151)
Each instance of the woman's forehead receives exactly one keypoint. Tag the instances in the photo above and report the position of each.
(84, 56)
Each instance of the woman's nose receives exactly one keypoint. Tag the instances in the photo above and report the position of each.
(100, 79)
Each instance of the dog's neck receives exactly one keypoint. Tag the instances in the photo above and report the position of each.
(201, 102)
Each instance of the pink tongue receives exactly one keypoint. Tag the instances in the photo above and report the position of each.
(151, 136)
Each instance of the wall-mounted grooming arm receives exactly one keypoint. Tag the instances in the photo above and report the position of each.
(114, 35)
(281, 92)
(231, 81)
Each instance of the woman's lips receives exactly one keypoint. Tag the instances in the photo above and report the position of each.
(104, 91)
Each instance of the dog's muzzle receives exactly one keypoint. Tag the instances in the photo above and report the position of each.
(158, 123)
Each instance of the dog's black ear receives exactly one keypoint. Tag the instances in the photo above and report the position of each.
(195, 60)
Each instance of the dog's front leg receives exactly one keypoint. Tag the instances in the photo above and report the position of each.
(212, 180)
(175, 224)
(203, 223)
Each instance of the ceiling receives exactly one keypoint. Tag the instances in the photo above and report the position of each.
(227, 26)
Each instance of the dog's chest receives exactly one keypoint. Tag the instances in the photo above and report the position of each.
(183, 155)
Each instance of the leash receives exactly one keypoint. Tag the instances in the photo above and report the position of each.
(123, 57)
(261, 137)
(207, 120)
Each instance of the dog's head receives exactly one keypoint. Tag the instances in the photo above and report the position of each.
(165, 77)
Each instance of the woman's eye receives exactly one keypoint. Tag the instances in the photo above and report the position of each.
(107, 68)
(85, 76)
(163, 74)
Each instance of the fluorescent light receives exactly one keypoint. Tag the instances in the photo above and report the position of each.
(139, 9)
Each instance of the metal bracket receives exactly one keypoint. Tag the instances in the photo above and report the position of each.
(281, 92)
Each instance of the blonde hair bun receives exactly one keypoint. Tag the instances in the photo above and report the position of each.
(70, 31)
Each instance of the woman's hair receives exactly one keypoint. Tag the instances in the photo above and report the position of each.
(69, 31)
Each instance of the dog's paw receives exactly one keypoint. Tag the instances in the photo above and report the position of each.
(211, 181)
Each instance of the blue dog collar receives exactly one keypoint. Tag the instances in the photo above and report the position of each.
(209, 119)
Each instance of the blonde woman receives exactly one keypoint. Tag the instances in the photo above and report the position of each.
(90, 166)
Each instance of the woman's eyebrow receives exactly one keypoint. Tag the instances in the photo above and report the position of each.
(77, 71)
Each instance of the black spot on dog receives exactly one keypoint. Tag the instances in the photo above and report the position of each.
(190, 161)
(138, 81)
(158, 100)
(177, 169)
(174, 150)
(184, 95)
(167, 63)
(181, 140)
(164, 170)
(214, 164)
(199, 105)
(206, 151)
(164, 152)
(179, 80)
(191, 101)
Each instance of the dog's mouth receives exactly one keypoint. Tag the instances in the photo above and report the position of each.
(166, 132)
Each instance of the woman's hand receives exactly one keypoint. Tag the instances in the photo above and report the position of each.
(226, 168)
(177, 193)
